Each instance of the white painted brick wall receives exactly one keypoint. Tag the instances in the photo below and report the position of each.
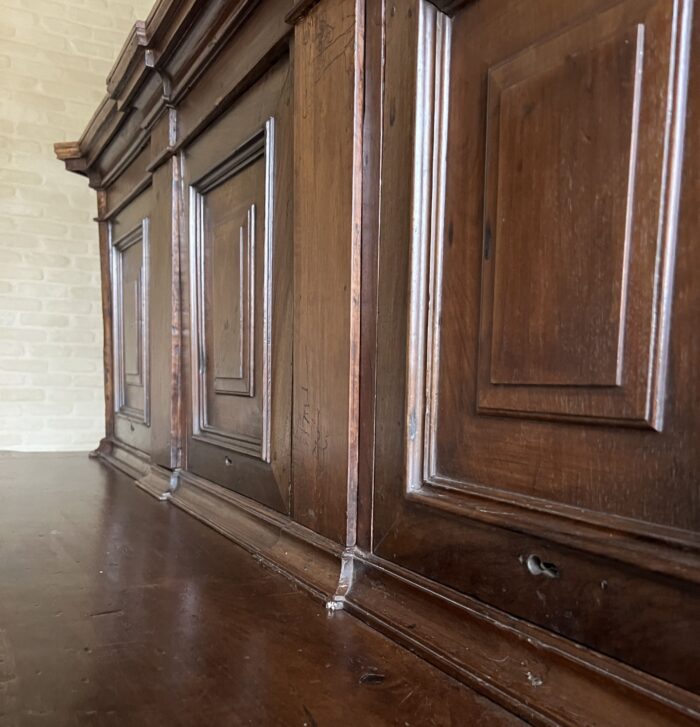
(54, 58)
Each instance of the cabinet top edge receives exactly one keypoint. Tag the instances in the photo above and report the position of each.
(154, 64)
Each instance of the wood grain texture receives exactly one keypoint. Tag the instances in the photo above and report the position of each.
(112, 602)
(243, 162)
(466, 498)
(327, 223)
(528, 670)
(548, 132)
(483, 362)
(569, 299)
(129, 257)
(107, 315)
(165, 324)
(371, 179)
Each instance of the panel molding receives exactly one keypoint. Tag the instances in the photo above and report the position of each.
(242, 383)
(633, 395)
(427, 237)
(657, 548)
(259, 145)
(135, 377)
(122, 377)
(506, 78)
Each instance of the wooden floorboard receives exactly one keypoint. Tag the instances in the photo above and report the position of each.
(116, 609)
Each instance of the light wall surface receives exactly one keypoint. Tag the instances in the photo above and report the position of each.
(54, 58)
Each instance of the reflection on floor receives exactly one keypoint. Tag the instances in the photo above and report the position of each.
(116, 609)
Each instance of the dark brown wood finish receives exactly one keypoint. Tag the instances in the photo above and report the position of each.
(327, 221)
(238, 178)
(165, 317)
(585, 526)
(111, 605)
(371, 179)
(419, 314)
(129, 232)
(107, 343)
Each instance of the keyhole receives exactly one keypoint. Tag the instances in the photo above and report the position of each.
(228, 461)
(538, 567)
(131, 426)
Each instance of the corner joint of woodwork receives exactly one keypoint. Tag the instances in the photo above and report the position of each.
(299, 11)
(71, 155)
(450, 7)
(345, 581)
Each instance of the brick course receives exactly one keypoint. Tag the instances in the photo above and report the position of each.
(54, 58)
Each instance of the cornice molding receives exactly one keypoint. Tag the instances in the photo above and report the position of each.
(129, 58)
(141, 80)
(67, 150)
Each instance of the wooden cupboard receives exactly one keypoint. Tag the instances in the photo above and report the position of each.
(400, 296)
(239, 175)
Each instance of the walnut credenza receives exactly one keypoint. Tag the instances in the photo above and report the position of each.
(402, 297)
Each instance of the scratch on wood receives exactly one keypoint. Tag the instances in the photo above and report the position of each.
(112, 612)
(309, 720)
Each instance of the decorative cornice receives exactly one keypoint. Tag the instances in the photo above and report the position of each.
(129, 59)
(69, 153)
(67, 150)
(156, 66)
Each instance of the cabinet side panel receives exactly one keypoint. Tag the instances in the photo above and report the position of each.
(164, 290)
(328, 43)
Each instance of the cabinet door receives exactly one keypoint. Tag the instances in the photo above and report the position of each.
(129, 233)
(238, 177)
(537, 358)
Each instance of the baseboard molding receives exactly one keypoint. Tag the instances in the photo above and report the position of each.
(545, 679)
(534, 673)
(123, 457)
(158, 482)
(307, 558)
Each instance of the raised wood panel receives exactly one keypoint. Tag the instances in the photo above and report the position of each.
(573, 311)
(489, 427)
(132, 306)
(517, 446)
(562, 201)
(239, 277)
(130, 275)
(228, 207)
(129, 232)
(567, 230)
(232, 282)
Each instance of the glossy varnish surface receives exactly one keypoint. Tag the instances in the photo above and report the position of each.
(470, 423)
(118, 610)
(458, 398)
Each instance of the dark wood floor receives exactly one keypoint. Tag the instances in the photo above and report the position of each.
(119, 610)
